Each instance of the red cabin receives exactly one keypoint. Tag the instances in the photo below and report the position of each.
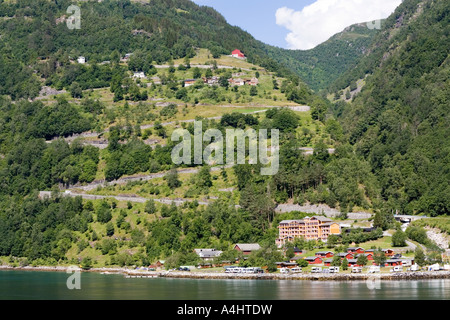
(324, 254)
(314, 260)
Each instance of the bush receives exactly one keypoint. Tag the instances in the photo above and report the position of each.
(399, 239)
(417, 234)
(86, 263)
(150, 206)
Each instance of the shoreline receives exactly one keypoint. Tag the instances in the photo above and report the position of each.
(133, 273)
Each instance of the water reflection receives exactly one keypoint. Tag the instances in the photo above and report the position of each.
(52, 285)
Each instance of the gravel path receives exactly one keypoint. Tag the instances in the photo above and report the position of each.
(131, 198)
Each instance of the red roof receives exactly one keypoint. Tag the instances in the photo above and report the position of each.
(237, 52)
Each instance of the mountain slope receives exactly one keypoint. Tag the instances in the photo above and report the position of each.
(322, 65)
(400, 121)
(162, 29)
(33, 31)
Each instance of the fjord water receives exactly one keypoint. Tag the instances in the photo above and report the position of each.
(33, 285)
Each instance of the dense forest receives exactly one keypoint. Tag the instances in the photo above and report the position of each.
(400, 123)
(321, 66)
(391, 139)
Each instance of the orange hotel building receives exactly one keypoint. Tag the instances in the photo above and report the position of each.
(310, 228)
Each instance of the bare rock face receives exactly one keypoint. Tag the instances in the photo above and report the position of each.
(438, 237)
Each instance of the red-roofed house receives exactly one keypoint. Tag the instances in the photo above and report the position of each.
(237, 54)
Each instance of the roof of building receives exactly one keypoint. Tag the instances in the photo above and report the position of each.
(323, 252)
(320, 218)
(343, 254)
(208, 253)
(287, 263)
(312, 258)
(248, 246)
(393, 260)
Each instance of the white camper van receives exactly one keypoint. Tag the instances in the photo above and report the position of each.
(397, 269)
(356, 270)
(334, 269)
(434, 267)
(374, 269)
(414, 267)
(316, 269)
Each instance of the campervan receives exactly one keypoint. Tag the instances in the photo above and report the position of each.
(434, 267)
(374, 269)
(397, 269)
(284, 270)
(229, 269)
(334, 269)
(356, 270)
(316, 269)
(414, 267)
(249, 270)
(296, 270)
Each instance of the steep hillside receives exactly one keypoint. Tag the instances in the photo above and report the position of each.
(321, 66)
(33, 31)
(162, 30)
(101, 130)
(400, 120)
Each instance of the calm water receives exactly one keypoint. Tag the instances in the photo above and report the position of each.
(31, 285)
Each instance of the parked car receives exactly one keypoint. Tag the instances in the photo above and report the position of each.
(184, 269)
(296, 270)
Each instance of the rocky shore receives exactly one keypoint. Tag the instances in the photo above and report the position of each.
(136, 273)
